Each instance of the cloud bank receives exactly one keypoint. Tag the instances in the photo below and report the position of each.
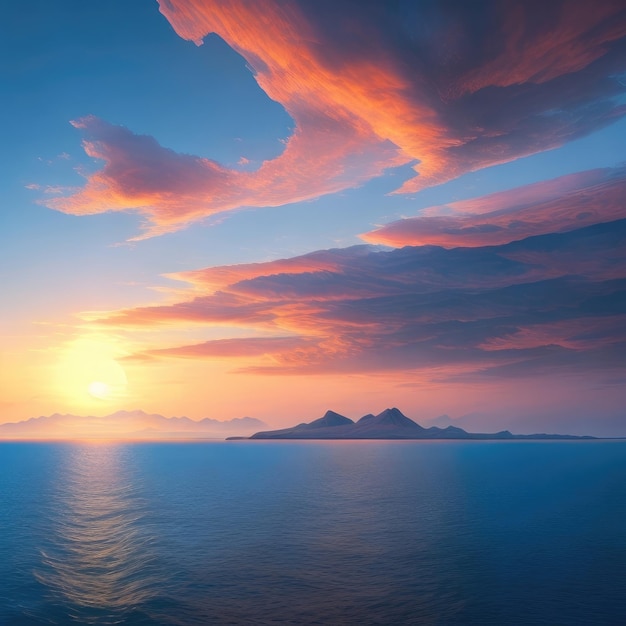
(546, 305)
(451, 86)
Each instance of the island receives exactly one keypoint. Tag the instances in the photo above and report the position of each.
(390, 424)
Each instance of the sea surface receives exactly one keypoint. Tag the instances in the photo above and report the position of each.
(261, 532)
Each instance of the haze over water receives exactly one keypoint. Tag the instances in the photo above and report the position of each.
(313, 532)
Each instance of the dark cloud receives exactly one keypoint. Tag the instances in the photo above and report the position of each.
(551, 303)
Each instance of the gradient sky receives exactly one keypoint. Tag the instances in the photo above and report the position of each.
(221, 208)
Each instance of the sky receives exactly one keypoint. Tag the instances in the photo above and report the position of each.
(217, 208)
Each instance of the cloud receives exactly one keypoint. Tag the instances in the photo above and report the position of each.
(548, 304)
(225, 348)
(171, 190)
(451, 85)
(214, 278)
(580, 333)
(559, 205)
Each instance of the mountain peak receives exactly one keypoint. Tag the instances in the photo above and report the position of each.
(367, 418)
(394, 417)
(330, 419)
(393, 412)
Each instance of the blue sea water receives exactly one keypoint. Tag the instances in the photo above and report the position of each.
(313, 533)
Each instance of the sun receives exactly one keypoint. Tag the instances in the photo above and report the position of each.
(88, 368)
(99, 390)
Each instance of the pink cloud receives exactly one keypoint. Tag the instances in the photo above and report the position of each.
(456, 86)
(558, 205)
(575, 334)
(523, 197)
(173, 189)
(214, 278)
(231, 348)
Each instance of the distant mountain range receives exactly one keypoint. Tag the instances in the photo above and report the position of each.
(390, 424)
(127, 425)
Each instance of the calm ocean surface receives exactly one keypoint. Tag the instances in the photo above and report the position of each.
(313, 533)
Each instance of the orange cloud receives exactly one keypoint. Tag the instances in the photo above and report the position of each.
(456, 86)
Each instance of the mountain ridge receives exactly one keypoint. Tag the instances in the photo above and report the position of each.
(389, 424)
(136, 424)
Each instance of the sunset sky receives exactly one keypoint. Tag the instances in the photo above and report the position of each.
(220, 208)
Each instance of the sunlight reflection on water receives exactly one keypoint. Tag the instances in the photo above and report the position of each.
(99, 555)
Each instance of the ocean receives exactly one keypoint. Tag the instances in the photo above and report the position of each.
(278, 532)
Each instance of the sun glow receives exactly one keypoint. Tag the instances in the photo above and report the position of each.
(99, 390)
(88, 369)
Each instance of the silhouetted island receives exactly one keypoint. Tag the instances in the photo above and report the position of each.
(390, 424)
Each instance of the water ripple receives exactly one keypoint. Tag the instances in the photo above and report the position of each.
(99, 558)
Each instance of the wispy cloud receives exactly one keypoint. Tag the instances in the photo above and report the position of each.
(566, 203)
(225, 348)
(371, 88)
(173, 189)
(215, 278)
